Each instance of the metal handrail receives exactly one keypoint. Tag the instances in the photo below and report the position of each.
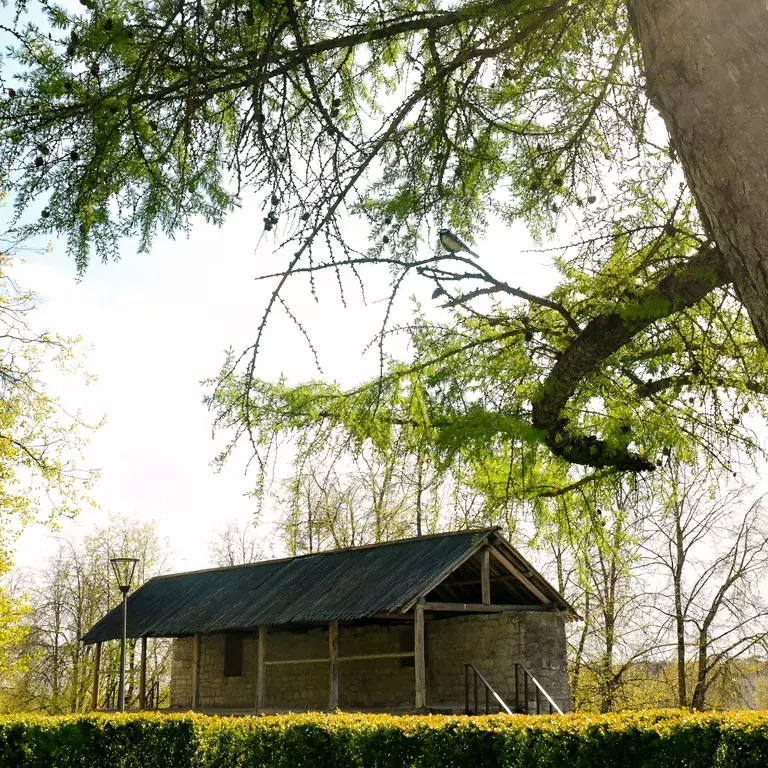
(539, 690)
(472, 675)
(488, 689)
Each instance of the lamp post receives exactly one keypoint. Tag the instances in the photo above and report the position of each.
(123, 567)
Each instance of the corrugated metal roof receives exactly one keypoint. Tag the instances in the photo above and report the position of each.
(343, 585)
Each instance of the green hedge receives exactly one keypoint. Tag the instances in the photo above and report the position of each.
(653, 739)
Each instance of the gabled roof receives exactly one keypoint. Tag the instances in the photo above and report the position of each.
(341, 585)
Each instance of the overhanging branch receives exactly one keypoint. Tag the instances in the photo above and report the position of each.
(604, 336)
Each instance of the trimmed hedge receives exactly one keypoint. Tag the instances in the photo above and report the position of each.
(651, 739)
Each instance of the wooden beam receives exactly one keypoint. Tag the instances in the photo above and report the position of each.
(96, 670)
(507, 563)
(367, 656)
(261, 670)
(476, 582)
(339, 659)
(480, 608)
(196, 641)
(485, 576)
(333, 674)
(278, 662)
(143, 675)
(419, 659)
(394, 616)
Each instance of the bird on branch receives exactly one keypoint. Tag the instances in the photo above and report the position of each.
(454, 244)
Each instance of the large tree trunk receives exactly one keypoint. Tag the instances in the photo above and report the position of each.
(706, 65)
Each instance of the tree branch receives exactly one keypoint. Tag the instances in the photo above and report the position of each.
(604, 336)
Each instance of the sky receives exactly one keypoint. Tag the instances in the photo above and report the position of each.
(155, 325)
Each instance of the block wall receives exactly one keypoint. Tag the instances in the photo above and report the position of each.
(492, 642)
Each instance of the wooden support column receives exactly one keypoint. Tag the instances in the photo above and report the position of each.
(143, 675)
(96, 669)
(196, 672)
(261, 670)
(333, 655)
(485, 576)
(419, 659)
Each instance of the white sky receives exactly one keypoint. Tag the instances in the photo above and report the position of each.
(157, 325)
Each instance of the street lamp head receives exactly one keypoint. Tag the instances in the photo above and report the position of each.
(124, 567)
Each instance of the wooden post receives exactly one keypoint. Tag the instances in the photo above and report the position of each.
(466, 689)
(143, 675)
(333, 655)
(419, 661)
(261, 670)
(196, 672)
(485, 576)
(96, 666)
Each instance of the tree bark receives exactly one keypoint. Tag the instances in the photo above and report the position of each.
(706, 64)
(682, 691)
(578, 659)
(607, 687)
(679, 289)
(698, 700)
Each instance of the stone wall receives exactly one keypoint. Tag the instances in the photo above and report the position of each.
(215, 689)
(492, 642)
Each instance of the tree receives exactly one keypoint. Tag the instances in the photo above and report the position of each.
(322, 506)
(614, 595)
(687, 50)
(712, 557)
(68, 596)
(40, 441)
(143, 116)
(332, 499)
(596, 563)
(235, 545)
(41, 473)
(14, 631)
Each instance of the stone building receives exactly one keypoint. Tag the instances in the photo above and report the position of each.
(451, 622)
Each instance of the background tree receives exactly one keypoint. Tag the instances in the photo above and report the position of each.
(41, 473)
(67, 597)
(614, 640)
(334, 497)
(325, 505)
(14, 631)
(712, 557)
(235, 544)
(668, 582)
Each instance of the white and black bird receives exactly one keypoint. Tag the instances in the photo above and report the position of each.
(454, 244)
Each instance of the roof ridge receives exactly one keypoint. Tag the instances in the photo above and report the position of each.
(377, 545)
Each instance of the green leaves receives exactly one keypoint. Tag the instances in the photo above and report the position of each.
(416, 117)
(40, 444)
(235, 98)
